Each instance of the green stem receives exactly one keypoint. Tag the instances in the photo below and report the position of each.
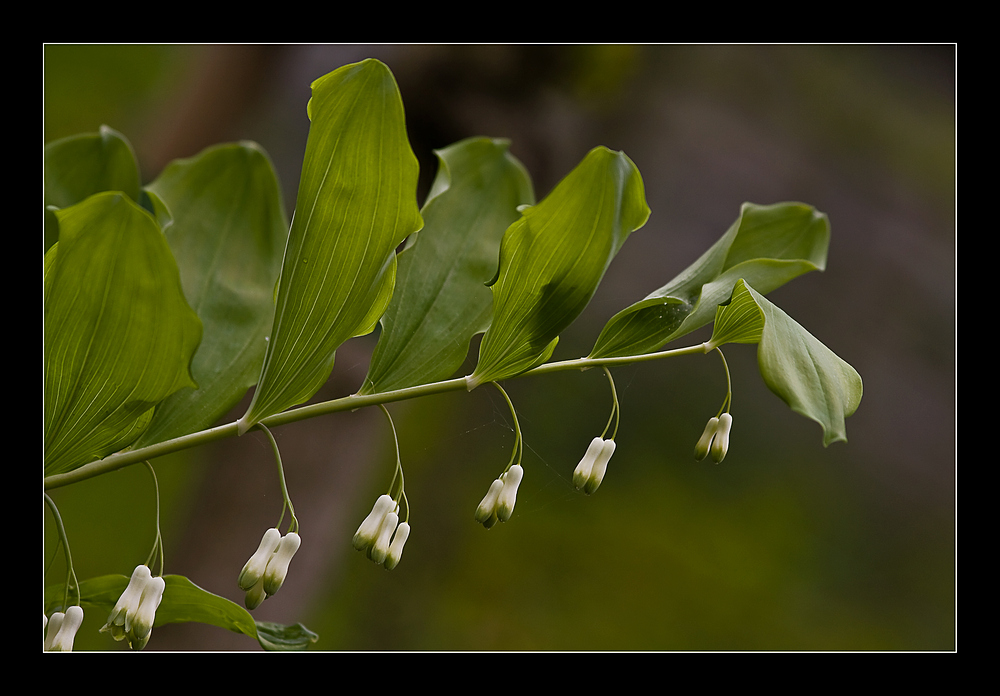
(728, 401)
(71, 580)
(516, 453)
(294, 526)
(399, 467)
(615, 409)
(120, 460)
(158, 541)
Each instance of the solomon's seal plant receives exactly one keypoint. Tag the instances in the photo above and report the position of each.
(165, 303)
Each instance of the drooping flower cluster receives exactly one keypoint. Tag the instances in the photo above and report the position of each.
(382, 536)
(133, 615)
(61, 629)
(590, 471)
(498, 505)
(265, 572)
(715, 439)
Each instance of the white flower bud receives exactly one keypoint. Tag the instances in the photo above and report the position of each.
(55, 622)
(600, 467)
(508, 494)
(255, 595)
(142, 622)
(62, 640)
(486, 512)
(720, 445)
(380, 549)
(583, 469)
(277, 567)
(253, 571)
(120, 619)
(705, 441)
(396, 547)
(368, 531)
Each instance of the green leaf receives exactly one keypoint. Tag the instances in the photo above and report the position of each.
(441, 298)
(185, 602)
(228, 234)
(796, 366)
(82, 165)
(356, 203)
(768, 245)
(554, 256)
(119, 335)
(274, 636)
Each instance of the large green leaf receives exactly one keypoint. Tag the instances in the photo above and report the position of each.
(81, 165)
(184, 602)
(119, 335)
(554, 256)
(768, 245)
(228, 233)
(796, 366)
(356, 203)
(441, 299)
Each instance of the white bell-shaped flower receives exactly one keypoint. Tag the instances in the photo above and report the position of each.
(380, 549)
(396, 547)
(508, 494)
(145, 614)
(63, 629)
(368, 531)
(705, 441)
(600, 467)
(277, 566)
(253, 571)
(52, 628)
(720, 445)
(486, 513)
(582, 472)
(120, 619)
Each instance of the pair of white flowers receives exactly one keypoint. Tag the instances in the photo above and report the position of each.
(61, 629)
(715, 439)
(498, 505)
(382, 536)
(590, 471)
(133, 615)
(265, 572)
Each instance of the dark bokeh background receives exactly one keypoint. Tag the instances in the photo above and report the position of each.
(785, 546)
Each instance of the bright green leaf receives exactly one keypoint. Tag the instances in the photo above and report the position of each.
(807, 375)
(554, 256)
(228, 234)
(356, 203)
(768, 245)
(441, 299)
(274, 636)
(82, 165)
(119, 335)
(184, 602)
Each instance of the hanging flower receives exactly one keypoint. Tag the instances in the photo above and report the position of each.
(368, 531)
(62, 628)
(253, 571)
(265, 572)
(142, 623)
(381, 536)
(277, 566)
(486, 512)
(133, 615)
(396, 547)
(715, 439)
(498, 505)
(120, 619)
(590, 471)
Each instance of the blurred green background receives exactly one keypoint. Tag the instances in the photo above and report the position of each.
(785, 546)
